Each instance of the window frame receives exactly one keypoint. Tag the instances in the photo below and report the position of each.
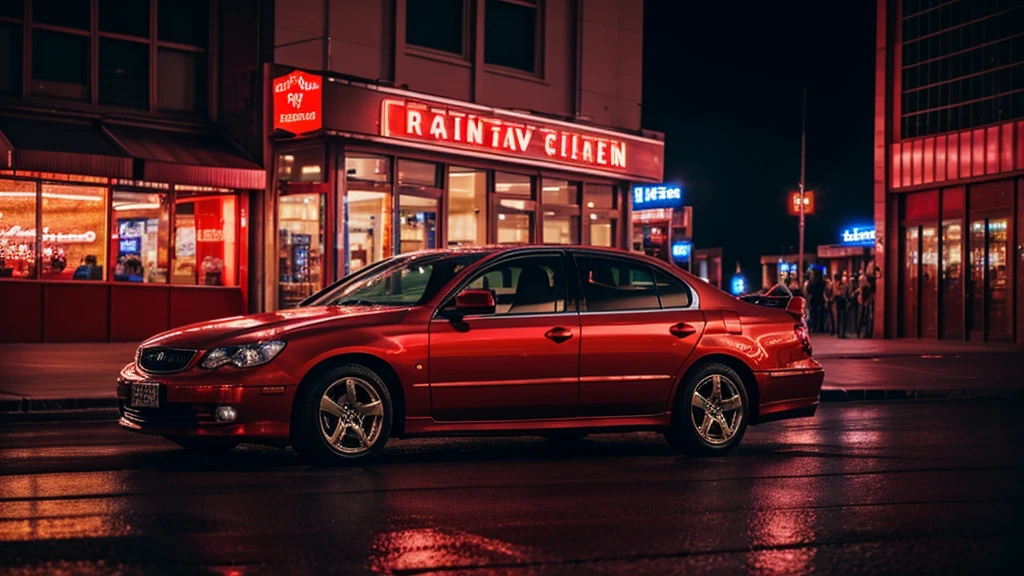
(462, 57)
(582, 301)
(571, 298)
(93, 34)
(539, 7)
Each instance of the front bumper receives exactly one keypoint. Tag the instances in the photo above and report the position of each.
(264, 412)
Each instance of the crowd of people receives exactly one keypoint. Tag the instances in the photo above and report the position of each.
(837, 303)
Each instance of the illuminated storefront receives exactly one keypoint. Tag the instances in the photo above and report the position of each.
(92, 253)
(854, 253)
(661, 224)
(363, 173)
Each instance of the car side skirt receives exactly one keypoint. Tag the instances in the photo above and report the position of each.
(431, 427)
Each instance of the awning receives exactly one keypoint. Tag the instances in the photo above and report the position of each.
(60, 146)
(197, 158)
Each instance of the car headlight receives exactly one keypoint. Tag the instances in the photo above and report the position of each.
(245, 356)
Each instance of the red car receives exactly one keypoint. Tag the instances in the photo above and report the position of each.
(554, 341)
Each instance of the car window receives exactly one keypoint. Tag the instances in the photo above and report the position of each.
(408, 282)
(671, 291)
(525, 285)
(613, 284)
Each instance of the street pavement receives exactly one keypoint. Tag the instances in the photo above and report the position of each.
(862, 488)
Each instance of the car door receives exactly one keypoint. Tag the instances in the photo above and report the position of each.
(638, 325)
(520, 362)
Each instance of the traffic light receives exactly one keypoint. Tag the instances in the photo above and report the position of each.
(794, 203)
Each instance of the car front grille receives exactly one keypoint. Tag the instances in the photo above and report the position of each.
(172, 415)
(162, 360)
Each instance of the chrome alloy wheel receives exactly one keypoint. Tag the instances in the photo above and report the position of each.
(716, 409)
(351, 415)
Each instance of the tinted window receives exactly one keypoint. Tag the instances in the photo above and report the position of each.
(510, 35)
(611, 284)
(124, 73)
(435, 24)
(183, 21)
(527, 285)
(66, 13)
(395, 282)
(125, 17)
(671, 291)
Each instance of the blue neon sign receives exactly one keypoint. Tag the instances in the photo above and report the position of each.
(681, 251)
(739, 285)
(859, 236)
(648, 196)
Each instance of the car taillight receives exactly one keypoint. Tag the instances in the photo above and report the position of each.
(804, 337)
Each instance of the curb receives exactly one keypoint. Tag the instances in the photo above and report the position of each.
(74, 415)
(26, 405)
(859, 395)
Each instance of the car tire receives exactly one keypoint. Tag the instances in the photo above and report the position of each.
(200, 444)
(326, 432)
(565, 436)
(696, 431)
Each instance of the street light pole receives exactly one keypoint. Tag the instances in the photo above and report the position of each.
(803, 162)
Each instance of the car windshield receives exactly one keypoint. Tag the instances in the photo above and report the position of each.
(402, 281)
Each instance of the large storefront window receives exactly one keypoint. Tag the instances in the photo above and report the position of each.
(515, 207)
(205, 241)
(302, 165)
(467, 206)
(74, 232)
(561, 211)
(17, 229)
(368, 210)
(418, 220)
(140, 237)
(301, 232)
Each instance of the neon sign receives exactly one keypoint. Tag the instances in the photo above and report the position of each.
(508, 136)
(861, 236)
(298, 102)
(646, 197)
(681, 250)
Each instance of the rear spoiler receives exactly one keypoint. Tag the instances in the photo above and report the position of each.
(795, 305)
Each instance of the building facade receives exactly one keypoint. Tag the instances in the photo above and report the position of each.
(949, 169)
(202, 158)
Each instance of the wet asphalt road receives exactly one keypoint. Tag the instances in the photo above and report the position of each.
(899, 487)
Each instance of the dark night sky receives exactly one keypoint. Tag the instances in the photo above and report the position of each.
(722, 80)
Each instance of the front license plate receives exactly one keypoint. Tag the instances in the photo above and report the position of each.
(146, 395)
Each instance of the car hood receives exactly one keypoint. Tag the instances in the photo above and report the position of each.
(270, 325)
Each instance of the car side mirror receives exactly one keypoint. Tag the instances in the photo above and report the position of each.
(474, 301)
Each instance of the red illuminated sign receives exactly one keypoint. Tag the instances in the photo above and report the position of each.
(298, 102)
(508, 135)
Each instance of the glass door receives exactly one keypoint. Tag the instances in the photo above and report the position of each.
(976, 294)
(952, 280)
(929, 309)
(301, 243)
(911, 264)
(1000, 314)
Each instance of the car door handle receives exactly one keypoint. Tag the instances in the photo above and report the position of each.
(682, 330)
(558, 335)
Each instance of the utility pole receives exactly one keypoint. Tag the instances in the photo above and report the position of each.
(803, 162)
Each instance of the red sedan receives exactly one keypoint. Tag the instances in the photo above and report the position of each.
(554, 341)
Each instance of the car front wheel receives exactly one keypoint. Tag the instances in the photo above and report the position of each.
(344, 417)
(710, 413)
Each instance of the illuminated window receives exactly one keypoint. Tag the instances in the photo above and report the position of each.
(510, 34)
(561, 211)
(512, 184)
(436, 24)
(205, 241)
(368, 168)
(17, 229)
(467, 206)
(74, 238)
(302, 165)
(417, 173)
(141, 237)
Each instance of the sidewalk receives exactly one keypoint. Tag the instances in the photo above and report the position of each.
(826, 346)
(52, 377)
